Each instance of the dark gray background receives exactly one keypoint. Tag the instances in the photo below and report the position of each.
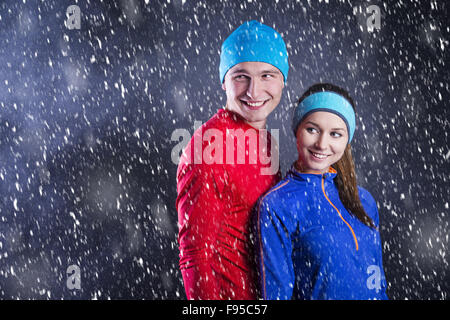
(86, 118)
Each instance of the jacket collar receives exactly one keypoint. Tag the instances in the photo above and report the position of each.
(311, 175)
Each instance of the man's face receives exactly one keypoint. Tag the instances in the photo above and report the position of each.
(253, 91)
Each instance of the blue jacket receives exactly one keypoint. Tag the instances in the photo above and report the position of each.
(310, 247)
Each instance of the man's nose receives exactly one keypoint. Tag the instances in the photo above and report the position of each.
(254, 88)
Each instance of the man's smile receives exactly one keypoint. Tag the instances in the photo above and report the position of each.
(254, 105)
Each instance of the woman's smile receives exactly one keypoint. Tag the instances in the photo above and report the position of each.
(318, 156)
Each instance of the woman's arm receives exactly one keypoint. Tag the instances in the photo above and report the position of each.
(372, 210)
(274, 250)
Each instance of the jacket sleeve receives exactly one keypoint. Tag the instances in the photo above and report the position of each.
(275, 253)
(200, 209)
(372, 206)
(383, 282)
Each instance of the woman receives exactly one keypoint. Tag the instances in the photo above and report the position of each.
(317, 230)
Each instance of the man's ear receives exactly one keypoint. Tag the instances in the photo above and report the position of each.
(223, 86)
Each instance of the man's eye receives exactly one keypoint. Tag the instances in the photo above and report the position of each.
(240, 77)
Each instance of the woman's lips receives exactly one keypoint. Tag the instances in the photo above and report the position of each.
(318, 156)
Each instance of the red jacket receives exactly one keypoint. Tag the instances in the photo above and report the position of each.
(219, 179)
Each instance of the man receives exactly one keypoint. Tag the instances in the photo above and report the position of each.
(227, 166)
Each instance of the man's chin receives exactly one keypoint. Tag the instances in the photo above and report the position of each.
(253, 116)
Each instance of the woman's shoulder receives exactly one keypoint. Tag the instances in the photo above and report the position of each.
(277, 190)
(369, 203)
(365, 195)
(283, 192)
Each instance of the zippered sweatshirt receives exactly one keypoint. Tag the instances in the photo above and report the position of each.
(215, 202)
(311, 247)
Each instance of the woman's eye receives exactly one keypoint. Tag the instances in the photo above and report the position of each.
(336, 134)
(311, 130)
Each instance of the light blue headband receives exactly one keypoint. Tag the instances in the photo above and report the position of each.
(329, 102)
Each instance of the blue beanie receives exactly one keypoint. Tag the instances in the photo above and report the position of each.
(254, 41)
(328, 102)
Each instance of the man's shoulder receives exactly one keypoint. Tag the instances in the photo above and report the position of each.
(220, 125)
(216, 123)
(222, 120)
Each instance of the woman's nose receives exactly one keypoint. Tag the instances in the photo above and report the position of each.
(321, 142)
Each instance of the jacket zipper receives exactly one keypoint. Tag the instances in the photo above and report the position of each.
(348, 225)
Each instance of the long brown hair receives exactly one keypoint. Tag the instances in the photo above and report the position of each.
(345, 167)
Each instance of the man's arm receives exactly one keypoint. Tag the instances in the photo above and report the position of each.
(200, 211)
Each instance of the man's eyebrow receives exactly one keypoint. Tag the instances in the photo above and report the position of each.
(239, 71)
(315, 124)
(262, 72)
(271, 71)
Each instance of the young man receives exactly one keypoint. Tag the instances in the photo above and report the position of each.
(228, 165)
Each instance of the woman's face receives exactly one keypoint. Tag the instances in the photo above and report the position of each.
(321, 141)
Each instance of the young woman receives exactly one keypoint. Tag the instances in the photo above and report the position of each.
(317, 230)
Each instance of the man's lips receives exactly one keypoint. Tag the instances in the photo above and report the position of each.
(254, 105)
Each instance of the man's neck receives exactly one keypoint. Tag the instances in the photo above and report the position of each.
(258, 124)
(255, 124)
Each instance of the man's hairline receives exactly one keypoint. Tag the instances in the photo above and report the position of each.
(273, 69)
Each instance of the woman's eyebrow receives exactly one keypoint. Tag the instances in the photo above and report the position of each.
(315, 124)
